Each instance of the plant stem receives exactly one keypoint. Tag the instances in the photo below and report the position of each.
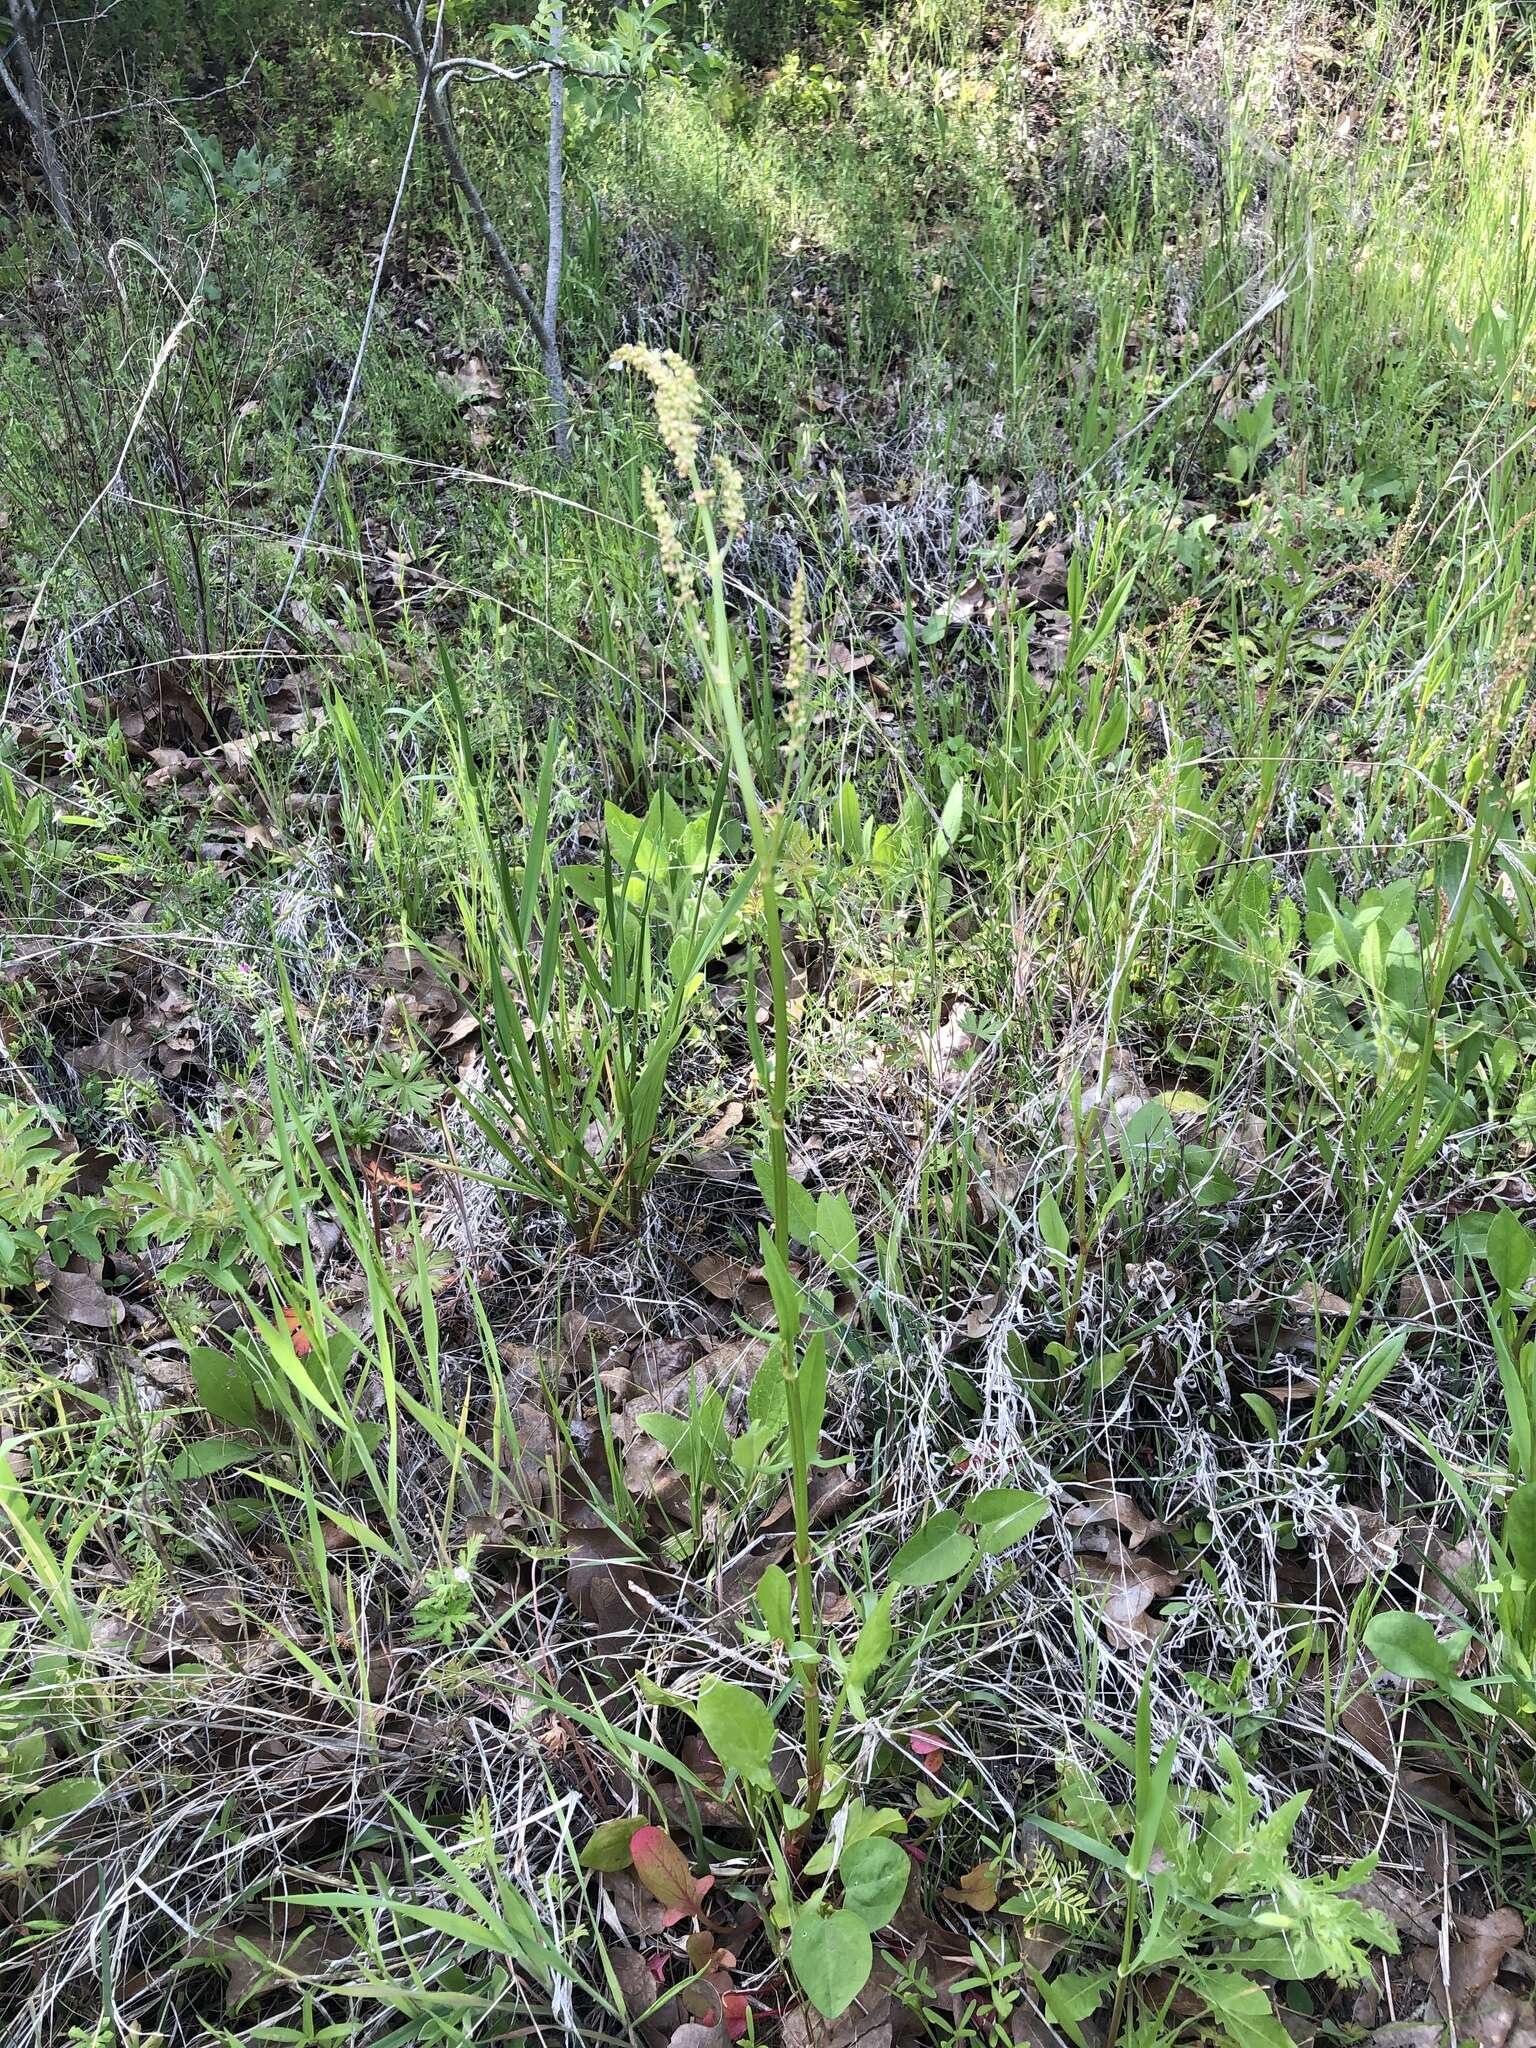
(1122, 1975)
(765, 841)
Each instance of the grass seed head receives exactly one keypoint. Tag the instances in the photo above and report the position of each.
(679, 401)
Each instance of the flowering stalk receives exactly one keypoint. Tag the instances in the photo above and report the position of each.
(721, 515)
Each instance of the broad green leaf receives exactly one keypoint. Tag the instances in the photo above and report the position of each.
(1003, 1516)
(951, 818)
(225, 1385)
(738, 1728)
(811, 1388)
(940, 1550)
(837, 1233)
(208, 1455)
(874, 1874)
(1242, 2006)
(608, 1846)
(831, 1955)
(1075, 1995)
(802, 1203)
(1182, 1102)
(1511, 1251)
(67, 1795)
(869, 1650)
(782, 1284)
(767, 1396)
(1520, 1529)
(859, 1823)
(773, 1604)
(1053, 1226)
(1406, 1644)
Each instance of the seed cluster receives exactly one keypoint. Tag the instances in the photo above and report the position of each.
(679, 400)
(674, 560)
(730, 496)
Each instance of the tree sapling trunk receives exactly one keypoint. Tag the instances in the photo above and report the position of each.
(432, 73)
(19, 78)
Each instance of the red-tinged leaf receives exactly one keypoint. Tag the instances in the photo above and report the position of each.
(663, 1869)
(297, 1332)
(733, 2014)
(930, 1750)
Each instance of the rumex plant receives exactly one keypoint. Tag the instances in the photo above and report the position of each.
(838, 1877)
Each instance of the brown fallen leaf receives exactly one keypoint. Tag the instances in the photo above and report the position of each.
(608, 1583)
(1314, 1300)
(1477, 1950)
(1103, 1503)
(256, 1961)
(729, 1119)
(977, 1889)
(121, 1052)
(726, 1278)
(1498, 2019)
(1126, 1585)
(1427, 1298)
(471, 383)
(638, 1986)
(76, 1296)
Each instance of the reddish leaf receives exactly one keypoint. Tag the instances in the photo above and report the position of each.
(296, 1330)
(929, 1750)
(663, 1869)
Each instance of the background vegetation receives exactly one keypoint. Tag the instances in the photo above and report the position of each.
(763, 1203)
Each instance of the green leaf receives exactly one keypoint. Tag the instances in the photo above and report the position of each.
(811, 1388)
(1003, 1516)
(65, 1796)
(1075, 1995)
(1243, 2008)
(951, 818)
(1406, 1644)
(859, 1823)
(939, 1550)
(738, 1728)
(768, 1397)
(695, 1442)
(782, 1284)
(225, 1385)
(837, 1233)
(869, 1650)
(1511, 1251)
(1053, 1225)
(802, 1203)
(1520, 1529)
(831, 1955)
(210, 1454)
(773, 1604)
(608, 1846)
(874, 1874)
